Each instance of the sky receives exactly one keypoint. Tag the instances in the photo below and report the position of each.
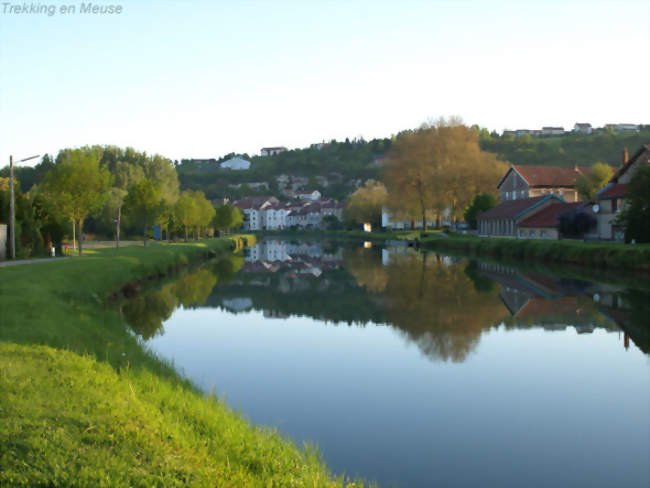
(200, 79)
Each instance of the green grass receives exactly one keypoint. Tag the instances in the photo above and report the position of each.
(602, 255)
(82, 404)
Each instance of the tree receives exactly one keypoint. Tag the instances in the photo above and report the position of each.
(366, 203)
(186, 211)
(636, 215)
(143, 204)
(480, 203)
(438, 167)
(588, 185)
(77, 186)
(206, 211)
(124, 175)
(228, 217)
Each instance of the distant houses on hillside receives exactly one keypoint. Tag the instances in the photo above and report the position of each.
(236, 163)
(578, 128)
(268, 213)
(272, 151)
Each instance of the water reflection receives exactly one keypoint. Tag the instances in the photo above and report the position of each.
(440, 303)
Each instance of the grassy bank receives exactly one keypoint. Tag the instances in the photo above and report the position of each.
(589, 254)
(81, 403)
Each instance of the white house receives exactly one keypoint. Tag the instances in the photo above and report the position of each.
(236, 163)
(390, 222)
(552, 131)
(582, 128)
(271, 151)
(312, 196)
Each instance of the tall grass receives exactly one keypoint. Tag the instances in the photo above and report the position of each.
(81, 403)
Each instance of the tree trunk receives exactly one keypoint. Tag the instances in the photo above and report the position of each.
(80, 233)
(117, 226)
(145, 235)
(186, 233)
(422, 209)
(74, 236)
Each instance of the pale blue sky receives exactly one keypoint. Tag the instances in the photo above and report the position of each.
(203, 78)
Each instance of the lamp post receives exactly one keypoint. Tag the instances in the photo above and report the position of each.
(12, 210)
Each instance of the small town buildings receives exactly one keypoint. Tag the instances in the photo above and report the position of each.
(582, 128)
(236, 163)
(622, 127)
(524, 181)
(504, 219)
(272, 151)
(552, 131)
(254, 209)
(313, 196)
(546, 223)
(611, 199)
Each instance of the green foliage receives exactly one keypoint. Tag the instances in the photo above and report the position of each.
(480, 203)
(566, 150)
(366, 203)
(82, 404)
(588, 185)
(636, 214)
(144, 204)
(228, 217)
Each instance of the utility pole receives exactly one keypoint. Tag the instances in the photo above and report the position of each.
(12, 209)
(12, 212)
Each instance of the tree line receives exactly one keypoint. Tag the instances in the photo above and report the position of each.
(109, 189)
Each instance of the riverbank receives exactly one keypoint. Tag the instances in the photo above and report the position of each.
(82, 404)
(599, 255)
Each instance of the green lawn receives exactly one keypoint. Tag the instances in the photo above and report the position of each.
(81, 403)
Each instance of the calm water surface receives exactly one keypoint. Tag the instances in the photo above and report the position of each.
(419, 369)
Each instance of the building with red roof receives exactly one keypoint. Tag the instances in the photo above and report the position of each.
(524, 181)
(504, 219)
(611, 199)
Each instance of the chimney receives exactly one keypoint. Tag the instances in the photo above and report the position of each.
(626, 156)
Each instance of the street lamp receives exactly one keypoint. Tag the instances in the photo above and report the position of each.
(12, 211)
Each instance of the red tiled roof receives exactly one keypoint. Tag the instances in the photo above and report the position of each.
(613, 190)
(511, 208)
(549, 217)
(551, 175)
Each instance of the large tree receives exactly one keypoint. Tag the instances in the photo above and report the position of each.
(77, 186)
(143, 205)
(366, 202)
(438, 167)
(589, 184)
(636, 215)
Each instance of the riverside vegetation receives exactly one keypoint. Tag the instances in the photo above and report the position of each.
(82, 404)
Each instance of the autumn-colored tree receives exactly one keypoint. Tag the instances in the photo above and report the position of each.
(438, 167)
(77, 186)
(366, 202)
(589, 184)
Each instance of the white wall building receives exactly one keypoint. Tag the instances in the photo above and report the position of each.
(236, 163)
(271, 151)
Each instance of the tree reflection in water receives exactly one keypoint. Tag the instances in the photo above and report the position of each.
(441, 304)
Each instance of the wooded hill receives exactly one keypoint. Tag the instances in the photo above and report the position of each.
(337, 168)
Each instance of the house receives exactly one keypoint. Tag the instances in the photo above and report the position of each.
(254, 209)
(504, 219)
(582, 128)
(310, 196)
(552, 131)
(236, 163)
(622, 127)
(272, 151)
(523, 181)
(545, 224)
(390, 221)
(611, 199)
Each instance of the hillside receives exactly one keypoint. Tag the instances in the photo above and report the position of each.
(337, 168)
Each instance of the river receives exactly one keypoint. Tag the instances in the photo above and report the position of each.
(419, 369)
